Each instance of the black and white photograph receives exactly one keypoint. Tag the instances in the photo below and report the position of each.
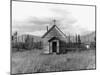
(52, 37)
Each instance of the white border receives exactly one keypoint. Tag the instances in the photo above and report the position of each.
(5, 37)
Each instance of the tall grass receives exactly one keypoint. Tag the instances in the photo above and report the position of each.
(34, 61)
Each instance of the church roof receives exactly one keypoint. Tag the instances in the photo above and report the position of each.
(57, 29)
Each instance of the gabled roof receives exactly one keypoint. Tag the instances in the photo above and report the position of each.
(54, 26)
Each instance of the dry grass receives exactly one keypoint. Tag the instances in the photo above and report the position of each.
(34, 61)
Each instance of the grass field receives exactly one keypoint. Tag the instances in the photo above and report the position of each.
(33, 61)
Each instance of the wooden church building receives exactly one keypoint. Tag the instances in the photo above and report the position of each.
(55, 41)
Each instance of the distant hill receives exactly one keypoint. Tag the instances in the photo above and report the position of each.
(88, 37)
(22, 38)
(84, 38)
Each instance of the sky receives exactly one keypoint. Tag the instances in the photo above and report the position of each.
(33, 18)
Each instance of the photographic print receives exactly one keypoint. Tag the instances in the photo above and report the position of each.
(52, 37)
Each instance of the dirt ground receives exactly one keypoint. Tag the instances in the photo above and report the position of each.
(34, 62)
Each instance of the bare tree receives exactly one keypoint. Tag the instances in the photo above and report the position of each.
(79, 40)
(15, 36)
(69, 41)
(76, 39)
(29, 42)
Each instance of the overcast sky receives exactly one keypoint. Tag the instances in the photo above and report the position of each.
(32, 18)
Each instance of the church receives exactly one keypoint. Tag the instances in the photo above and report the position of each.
(55, 41)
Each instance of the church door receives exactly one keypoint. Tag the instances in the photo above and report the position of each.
(54, 46)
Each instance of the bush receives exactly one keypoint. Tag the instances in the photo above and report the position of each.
(28, 46)
(38, 45)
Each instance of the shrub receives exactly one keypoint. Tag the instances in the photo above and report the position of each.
(38, 45)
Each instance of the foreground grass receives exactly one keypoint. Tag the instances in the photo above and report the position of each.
(34, 61)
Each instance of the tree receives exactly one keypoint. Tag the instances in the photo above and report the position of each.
(15, 43)
(69, 41)
(93, 44)
(79, 40)
(12, 37)
(40, 45)
(15, 36)
(76, 39)
(28, 42)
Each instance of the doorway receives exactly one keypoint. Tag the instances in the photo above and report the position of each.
(54, 46)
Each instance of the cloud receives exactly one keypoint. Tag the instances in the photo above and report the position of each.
(37, 25)
(36, 33)
(39, 20)
(67, 22)
(64, 16)
(60, 12)
(31, 24)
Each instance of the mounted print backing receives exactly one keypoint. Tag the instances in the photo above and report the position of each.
(52, 37)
